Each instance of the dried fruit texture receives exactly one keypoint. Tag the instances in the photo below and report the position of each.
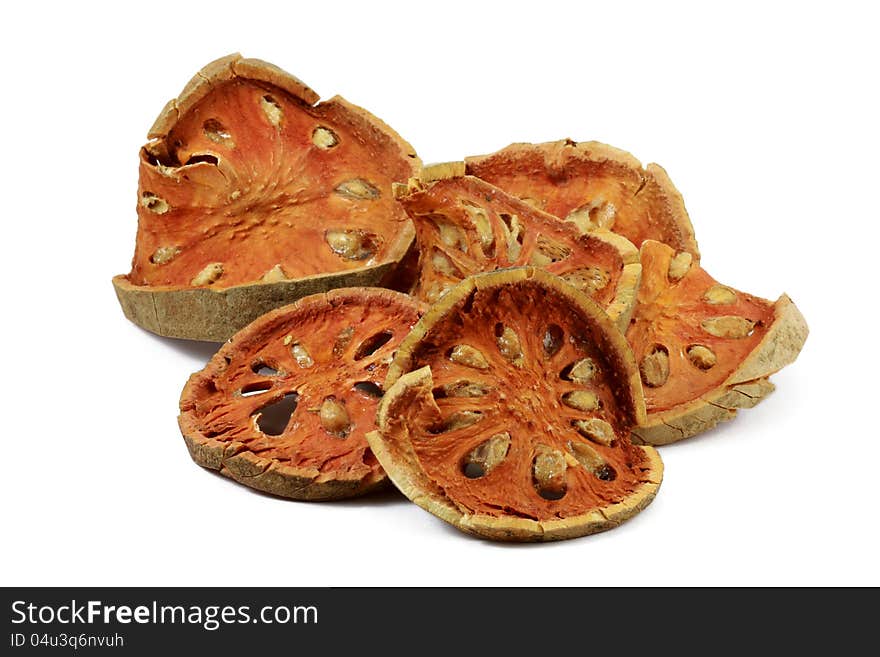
(283, 407)
(251, 195)
(703, 348)
(508, 412)
(595, 186)
(466, 226)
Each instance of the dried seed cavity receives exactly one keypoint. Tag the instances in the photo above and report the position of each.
(257, 388)
(598, 213)
(548, 472)
(514, 234)
(655, 367)
(581, 372)
(468, 356)
(352, 244)
(581, 400)
(480, 220)
(533, 202)
(701, 357)
(591, 460)
(357, 189)
(272, 109)
(486, 456)
(210, 274)
(720, 295)
(679, 266)
(153, 203)
(553, 340)
(273, 419)
(216, 132)
(443, 265)
(509, 344)
(728, 326)
(264, 369)
(459, 420)
(588, 280)
(334, 418)
(369, 389)
(301, 356)
(324, 138)
(450, 234)
(462, 388)
(274, 275)
(595, 429)
(164, 254)
(372, 344)
(548, 251)
(342, 341)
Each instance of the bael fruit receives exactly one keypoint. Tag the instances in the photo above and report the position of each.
(704, 349)
(251, 196)
(284, 405)
(508, 411)
(595, 186)
(465, 226)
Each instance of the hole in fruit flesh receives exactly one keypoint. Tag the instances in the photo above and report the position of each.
(352, 244)
(372, 344)
(553, 340)
(263, 370)
(255, 388)
(273, 419)
(324, 138)
(334, 417)
(216, 132)
(548, 473)
(369, 389)
(486, 456)
(581, 371)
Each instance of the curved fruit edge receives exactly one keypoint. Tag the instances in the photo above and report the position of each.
(203, 313)
(402, 362)
(221, 70)
(701, 414)
(594, 151)
(234, 460)
(744, 388)
(403, 468)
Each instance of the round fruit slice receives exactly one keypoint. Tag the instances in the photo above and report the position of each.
(594, 186)
(283, 407)
(510, 412)
(251, 196)
(704, 349)
(466, 226)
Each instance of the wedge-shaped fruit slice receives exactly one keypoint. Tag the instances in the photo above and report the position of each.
(510, 412)
(466, 226)
(704, 349)
(283, 407)
(251, 196)
(594, 186)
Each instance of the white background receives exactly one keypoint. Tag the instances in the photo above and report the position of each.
(765, 116)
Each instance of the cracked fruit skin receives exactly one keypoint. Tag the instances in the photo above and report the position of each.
(508, 412)
(252, 194)
(704, 349)
(283, 407)
(595, 186)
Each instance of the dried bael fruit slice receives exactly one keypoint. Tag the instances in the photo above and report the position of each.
(283, 407)
(594, 186)
(466, 226)
(251, 196)
(510, 412)
(704, 349)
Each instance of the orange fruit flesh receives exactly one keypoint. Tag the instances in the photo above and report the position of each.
(233, 187)
(524, 402)
(559, 183)
(672, 313)
(455, 202)
(318, 351)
